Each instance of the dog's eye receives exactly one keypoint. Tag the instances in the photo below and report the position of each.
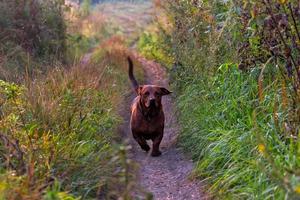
(156, 93)
(146, 93)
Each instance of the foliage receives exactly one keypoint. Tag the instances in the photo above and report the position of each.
(61, 128)
(78, 45)
(58, 128)
(218, 132)
(37, 27)
(240, 121)
(59, 118)
(150, 45)
(30, 31)
(86, 32)
(85, 8)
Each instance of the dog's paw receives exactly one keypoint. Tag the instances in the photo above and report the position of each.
(155, 153)
(145, 148)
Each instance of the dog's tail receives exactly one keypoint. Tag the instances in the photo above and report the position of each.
(131, 76)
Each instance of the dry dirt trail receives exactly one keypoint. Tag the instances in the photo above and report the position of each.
(167, 176)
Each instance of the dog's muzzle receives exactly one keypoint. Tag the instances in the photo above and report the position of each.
(152, 102)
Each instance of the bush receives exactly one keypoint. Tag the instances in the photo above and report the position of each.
(238, 120)
(58, 134)
(150, 45)
(31, 30)
(38, 27)
(58, 128)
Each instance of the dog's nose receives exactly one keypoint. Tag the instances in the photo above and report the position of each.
(152, 101)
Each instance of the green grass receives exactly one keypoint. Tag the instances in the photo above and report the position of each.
(151, 46)
(63, 128)
(217, 123)
(233, 137)
(236, 106)
(59, 135)
(211, 129)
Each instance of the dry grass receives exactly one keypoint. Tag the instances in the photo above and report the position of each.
(61, 127)
(58, 128)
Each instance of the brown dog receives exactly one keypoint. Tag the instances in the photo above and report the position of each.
(147, 116)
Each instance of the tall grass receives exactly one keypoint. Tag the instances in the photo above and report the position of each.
(217, 128)
(235, 75)
(61, 130)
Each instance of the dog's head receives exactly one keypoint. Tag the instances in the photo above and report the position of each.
(151, 95)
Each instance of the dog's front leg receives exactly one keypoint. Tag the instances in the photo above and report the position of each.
(142, 142)
(156, 142)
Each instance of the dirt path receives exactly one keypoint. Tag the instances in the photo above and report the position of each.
(167, 176)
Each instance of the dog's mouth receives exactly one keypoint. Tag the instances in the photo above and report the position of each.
(150, 104)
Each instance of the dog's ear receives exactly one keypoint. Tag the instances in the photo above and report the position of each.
(139, 90)
(164, 91)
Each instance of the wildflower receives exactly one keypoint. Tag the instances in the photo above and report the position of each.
(297, 189)
(261, 148)
(282, 1)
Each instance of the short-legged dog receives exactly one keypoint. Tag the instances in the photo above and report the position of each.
(147, 116)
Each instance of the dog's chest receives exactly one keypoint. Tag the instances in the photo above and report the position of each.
(140, 123)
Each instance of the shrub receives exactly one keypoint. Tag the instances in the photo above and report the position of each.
(151, 46)
(38, 27)
(31, 31)
(85, 7)
(58, 134)
(240, 123)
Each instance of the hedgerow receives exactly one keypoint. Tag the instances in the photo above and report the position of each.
(59, 135)
(235, 74)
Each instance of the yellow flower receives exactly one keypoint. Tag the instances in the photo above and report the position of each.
(282, 1)
(297, 189)
(261, 148)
